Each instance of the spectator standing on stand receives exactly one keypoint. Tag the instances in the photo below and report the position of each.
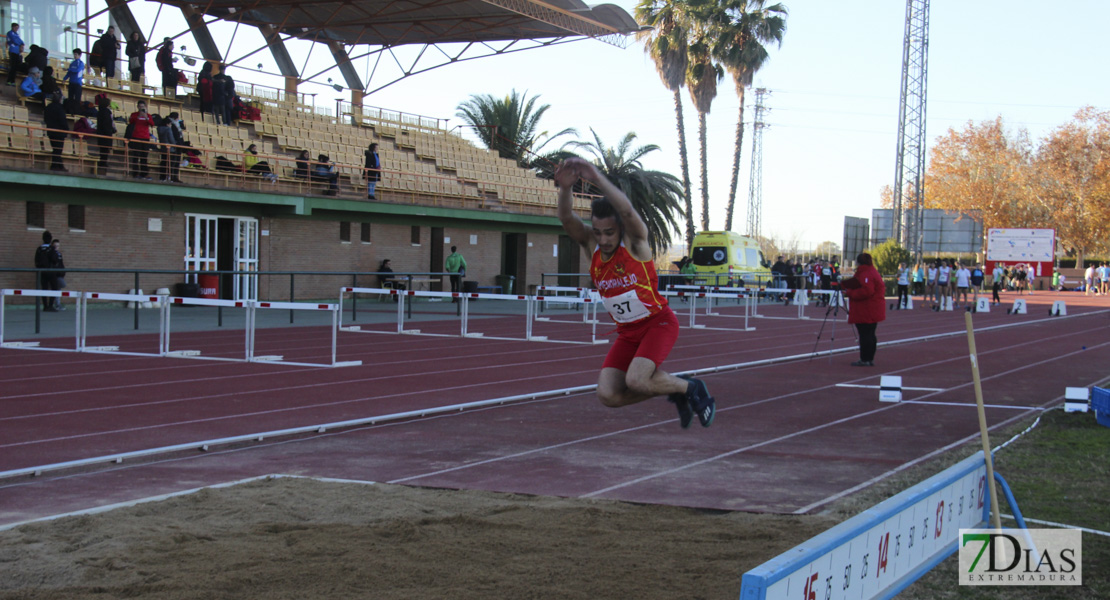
(76, 78)
(229, 99)
(164, 61)
(204, 90)
(136, 56)
(456, 265)
(109, 52)
(15, 53)
(141, 125)
(219, 97)
(373, 170)
(903, 287)
(55, 117)
(105, 127)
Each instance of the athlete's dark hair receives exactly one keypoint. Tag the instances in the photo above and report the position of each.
(601, 208)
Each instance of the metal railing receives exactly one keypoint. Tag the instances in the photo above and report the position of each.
(29, 145)
(326, 292)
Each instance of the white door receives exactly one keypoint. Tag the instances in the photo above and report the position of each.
(246, 258)
(201, 250)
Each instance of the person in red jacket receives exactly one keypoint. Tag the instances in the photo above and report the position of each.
(867, 292)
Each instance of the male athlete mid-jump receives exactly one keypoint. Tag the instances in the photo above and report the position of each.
(624, 273)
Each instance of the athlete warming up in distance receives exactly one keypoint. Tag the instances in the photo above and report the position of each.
(624, 273)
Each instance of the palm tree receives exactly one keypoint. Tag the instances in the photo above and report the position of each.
(509, 125)
(702, 76)
(654, 194)
(742, 27)
(666, 43)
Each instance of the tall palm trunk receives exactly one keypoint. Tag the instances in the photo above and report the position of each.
(704, 172)
(735, 162)
(685, 162)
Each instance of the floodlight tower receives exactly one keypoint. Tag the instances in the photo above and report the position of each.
(910, 158)
(755, 179)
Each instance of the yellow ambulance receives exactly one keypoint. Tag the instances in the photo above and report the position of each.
(725, 258)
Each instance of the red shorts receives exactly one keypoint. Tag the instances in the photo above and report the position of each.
(651, 338)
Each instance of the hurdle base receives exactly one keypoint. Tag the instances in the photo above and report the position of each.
(538, 338)
(182, 353)
(19, 345)
(102, 348)
(410, 331)
(268, 358)
(348, 363)
(476, 335)
(351, 328)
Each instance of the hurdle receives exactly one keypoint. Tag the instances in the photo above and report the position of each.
(466, 326)
(801, 300)
(709, 297)
(551, 292)
(253, 308)
(29, 345)
(884, 549)
(83, 332)
(212, 302)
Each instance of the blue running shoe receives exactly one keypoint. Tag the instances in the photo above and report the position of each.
(701, 403)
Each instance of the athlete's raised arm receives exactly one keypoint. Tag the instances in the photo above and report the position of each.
(566, 175)
(635, 231)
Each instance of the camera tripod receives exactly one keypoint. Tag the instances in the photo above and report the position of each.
(833, 309)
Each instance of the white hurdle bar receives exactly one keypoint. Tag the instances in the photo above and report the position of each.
(552, 291)
(42, 294)
(709, 297)
(254, 306)
(531, 302)
(196, 354)
(109, 297)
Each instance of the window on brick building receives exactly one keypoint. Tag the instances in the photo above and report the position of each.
(345, 231)
(416, 235)
(77, 217)
(365, 233)
(36, 215)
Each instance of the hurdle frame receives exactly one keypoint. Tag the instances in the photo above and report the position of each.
(465, 330)
(34, 345)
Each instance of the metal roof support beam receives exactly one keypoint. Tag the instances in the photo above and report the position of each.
(201, 34)
(280, 53)
(121, 14)
(343, 61)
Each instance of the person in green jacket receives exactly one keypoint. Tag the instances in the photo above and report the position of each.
(456, 265)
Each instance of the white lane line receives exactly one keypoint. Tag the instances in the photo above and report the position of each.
(824, 426)
(876, 387)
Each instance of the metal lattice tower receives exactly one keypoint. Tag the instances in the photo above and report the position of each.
(910, 161)
(755, 179)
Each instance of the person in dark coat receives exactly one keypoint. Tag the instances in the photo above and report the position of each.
(867, 309)
(373, 170)
(204, 90)
(219, 98)
(55, 118)
(164, 60)
(136, 56)
(109, 52)
(105, 127)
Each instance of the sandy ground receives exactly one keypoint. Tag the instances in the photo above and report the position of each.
(306, 539)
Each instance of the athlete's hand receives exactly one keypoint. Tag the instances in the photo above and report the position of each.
(585, 169)
(566, 174)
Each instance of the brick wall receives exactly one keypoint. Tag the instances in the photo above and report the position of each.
(120, 238)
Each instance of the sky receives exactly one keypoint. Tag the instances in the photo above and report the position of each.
(834, 86)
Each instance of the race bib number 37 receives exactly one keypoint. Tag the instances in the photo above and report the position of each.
(626, 307)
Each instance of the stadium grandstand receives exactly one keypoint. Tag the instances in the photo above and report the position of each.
(185, 209)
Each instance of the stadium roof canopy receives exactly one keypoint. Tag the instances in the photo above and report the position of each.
(382, 25)
(397, 22)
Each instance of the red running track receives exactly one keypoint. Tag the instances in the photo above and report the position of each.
(788, 438)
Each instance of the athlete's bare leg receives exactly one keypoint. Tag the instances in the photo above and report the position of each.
(642, 381)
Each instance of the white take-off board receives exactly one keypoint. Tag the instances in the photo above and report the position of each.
(879, 552)
(1021, 245)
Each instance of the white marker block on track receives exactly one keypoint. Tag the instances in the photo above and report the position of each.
(1076, 399)
(890, 388)
(1059, 309)
(982, 305)
(1019, 307)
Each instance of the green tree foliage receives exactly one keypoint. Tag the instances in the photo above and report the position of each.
(509, 125)
(665, 41)
(887, 255)
(655, 195)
